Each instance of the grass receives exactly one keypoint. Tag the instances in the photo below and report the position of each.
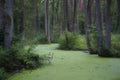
(72, 65)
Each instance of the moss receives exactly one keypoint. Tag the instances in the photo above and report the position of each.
(72, 65)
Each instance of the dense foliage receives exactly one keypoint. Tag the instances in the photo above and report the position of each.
(72, 41)
(17, 58)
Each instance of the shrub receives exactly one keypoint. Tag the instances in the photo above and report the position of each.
(40, 40)
(10, 59)
(31, 59)
(17, 58)
(114, 51)
(71, 41)
(116, 45)
(3, 74)
(93, 45)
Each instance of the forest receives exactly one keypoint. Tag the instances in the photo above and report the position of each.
(59, 39)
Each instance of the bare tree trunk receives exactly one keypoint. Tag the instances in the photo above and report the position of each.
(108, 25)
(67, 15)
(47, 20)
(61, 16)
(99, 27)
(2, 7)
(118, 18)
(9, 25)
(81, 6)
(89, 9)
(22, 22)
(36, 18)
(75, 23)
(54, 13)
(87, 26)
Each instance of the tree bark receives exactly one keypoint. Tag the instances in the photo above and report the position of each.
(75, 23)
(108, 25)
(47, 20)
(2, 7)
(67, 15)
(89, 9)
(22, 23)
(118, 18)
(87, 26)
(9, 24)
(99, 30)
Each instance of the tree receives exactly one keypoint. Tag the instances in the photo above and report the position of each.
(22, 21)
(2, 6)
(99, 30)
(108, 25)
(87, 26)
(9, 24)
(47, 20)
(75, 22)
(118, 17)
(89, 11)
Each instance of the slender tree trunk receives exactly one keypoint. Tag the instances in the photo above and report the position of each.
(81, 6)
(75, 23)
(66, 15)
(108, 25)
(89, 9)
(47, 20)
(118, 18)
(61, 16)
(2, 7)
(22, 22)
(99, 27)
(36, 18)
(54, 13)
(87, 26)
(9, 25)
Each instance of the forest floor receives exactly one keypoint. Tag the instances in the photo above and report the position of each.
(72, 65)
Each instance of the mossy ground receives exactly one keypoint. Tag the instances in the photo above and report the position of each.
(72, 65)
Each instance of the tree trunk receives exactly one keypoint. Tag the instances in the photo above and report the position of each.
(89, 9)
(75, 23)
(118, 18)
(22, 22)
(9, 24)
(108, 25)
(61, 16)
(99, 27)
(67, 15)
(87, 26)
(81, 6)
(53, 14)
(36, 18)
(47, 20)
(2, 7)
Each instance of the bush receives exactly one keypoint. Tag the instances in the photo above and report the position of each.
(41, 40)
(10, 59)
(116, 45)
(114, 51)
(93, 45)
(70, 41)
(3, 74)
(17, 58)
